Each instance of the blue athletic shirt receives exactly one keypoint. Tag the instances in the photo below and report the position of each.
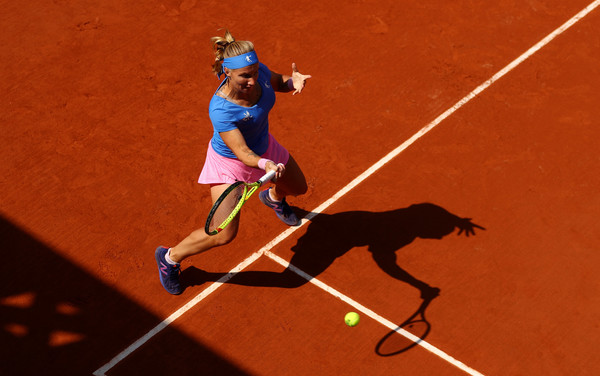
(253, 121)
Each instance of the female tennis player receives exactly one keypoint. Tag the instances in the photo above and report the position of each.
(241, 149)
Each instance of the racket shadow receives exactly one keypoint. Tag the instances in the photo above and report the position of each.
(397, 341)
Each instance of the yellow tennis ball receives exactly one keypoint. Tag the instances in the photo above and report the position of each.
(352, 318)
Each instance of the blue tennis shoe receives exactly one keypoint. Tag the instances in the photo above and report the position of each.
(169, 274)
(282, 209)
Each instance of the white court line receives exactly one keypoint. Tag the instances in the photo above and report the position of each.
(102, 371)
(359, 307)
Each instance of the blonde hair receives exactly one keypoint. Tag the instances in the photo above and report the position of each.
(227, 46)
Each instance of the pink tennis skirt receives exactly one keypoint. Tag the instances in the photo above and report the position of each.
(222, 170)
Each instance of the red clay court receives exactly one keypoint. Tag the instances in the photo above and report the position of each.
(421, 119)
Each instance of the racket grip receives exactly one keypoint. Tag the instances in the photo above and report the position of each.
(267, 177)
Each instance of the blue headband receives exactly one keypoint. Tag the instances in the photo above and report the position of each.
(239, 61)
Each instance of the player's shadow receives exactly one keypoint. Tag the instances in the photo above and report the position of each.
(330, 236)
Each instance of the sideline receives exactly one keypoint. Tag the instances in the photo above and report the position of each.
(265, 250)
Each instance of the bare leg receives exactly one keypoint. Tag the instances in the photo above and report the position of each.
(198, 241)
(292, 183)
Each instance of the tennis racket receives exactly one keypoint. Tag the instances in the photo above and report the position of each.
(229, 204)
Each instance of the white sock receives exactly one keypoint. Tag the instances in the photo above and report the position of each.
(271, 196)
(168, 258)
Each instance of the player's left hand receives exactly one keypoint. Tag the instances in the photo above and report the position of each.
(298, 79)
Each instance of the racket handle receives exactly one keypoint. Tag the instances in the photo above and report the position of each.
(267, 177)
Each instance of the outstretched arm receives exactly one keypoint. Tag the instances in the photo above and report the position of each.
(285, 83)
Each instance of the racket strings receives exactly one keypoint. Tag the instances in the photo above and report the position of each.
(226, 207)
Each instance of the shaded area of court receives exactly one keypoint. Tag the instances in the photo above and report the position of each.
(56, 319)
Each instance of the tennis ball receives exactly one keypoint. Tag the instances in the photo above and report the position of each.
(352, 318)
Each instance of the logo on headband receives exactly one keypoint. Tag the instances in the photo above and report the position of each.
(248, 59)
